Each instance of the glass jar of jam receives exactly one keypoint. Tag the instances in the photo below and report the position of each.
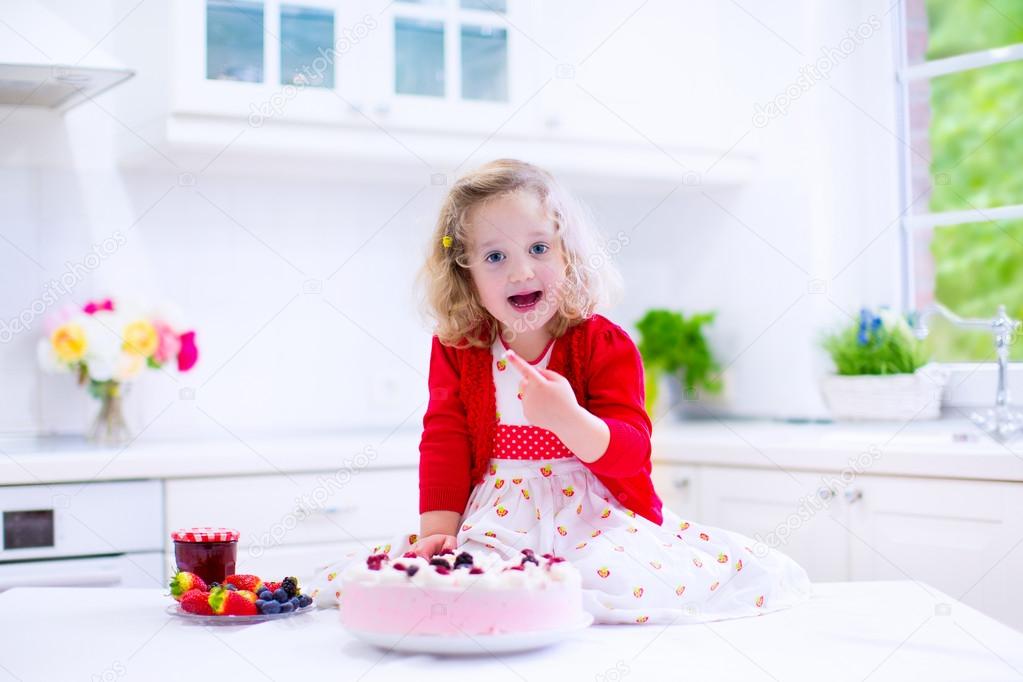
(210, 553)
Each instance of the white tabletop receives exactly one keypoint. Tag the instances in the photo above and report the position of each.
(847, 631)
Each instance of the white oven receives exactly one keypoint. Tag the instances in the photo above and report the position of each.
(82, 535)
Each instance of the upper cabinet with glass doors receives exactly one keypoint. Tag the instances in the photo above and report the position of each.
(437, 83)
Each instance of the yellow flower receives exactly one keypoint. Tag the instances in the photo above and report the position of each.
(69, 342)
(140, 338)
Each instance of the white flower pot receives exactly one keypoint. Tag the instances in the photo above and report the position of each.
(901, 397)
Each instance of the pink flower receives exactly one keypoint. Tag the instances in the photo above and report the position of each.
(168, 344)
(189, 353)
(94, 306)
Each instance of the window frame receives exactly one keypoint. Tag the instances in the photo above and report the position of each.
(452, 17)
(970, 383)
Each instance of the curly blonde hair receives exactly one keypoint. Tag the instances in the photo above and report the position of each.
(451, 299)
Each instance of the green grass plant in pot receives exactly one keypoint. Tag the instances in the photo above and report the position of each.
(675, 349)
(881, 370)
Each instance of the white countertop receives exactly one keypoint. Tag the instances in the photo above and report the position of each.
(57, 460)
(946, 449)
(940, 449)
(847, 631)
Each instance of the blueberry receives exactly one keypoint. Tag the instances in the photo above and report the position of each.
(287, 607)
(266, 595)
(231, 587)
(259, 604)
(304, 600)
(271, 607)
(280, 595)
(294, 600)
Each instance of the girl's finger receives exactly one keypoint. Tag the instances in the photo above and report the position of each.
(550, 374)
(525, 369)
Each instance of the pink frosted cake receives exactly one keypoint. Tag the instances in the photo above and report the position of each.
(461, 594)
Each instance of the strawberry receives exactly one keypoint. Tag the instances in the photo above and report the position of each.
(272, 586)
(252, 583)
(183, 581)
(226, 602)
(196, 601)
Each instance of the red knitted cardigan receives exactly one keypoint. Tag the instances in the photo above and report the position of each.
(604, 369)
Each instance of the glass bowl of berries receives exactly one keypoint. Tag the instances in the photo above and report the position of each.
(240, 599)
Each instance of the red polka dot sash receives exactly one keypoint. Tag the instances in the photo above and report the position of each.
(524, 441)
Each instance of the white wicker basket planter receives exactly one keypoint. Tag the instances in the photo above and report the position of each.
(890, 397)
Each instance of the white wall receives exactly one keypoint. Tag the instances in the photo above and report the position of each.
(276, 359)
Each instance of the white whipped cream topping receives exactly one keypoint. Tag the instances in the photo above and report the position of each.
(495, 575)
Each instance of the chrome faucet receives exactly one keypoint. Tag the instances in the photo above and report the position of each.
(1001, 422)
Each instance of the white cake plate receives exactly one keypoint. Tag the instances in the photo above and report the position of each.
(472, 645)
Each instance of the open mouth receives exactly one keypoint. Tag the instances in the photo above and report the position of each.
(525, 301)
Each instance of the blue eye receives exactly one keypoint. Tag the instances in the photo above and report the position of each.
(494, 257)
(539, 249)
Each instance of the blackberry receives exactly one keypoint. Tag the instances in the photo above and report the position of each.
(412, 570)
(290, 586)
(530, 558)
(438, 561)
(463, 559)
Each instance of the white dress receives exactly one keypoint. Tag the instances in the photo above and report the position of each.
(537, 495)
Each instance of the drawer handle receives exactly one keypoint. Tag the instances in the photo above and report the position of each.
(826, 494)
(852, 496)
(681, 483)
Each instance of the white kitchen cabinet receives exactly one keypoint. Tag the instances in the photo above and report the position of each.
(794, 512)
(962, 537)
(679, 486)
(426, 89)
(298, 509)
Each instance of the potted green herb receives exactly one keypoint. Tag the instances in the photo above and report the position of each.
(674, 348)
(881, 370)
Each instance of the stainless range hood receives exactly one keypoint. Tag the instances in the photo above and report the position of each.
(45, 62)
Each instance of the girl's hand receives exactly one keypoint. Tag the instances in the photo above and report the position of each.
(548, 400)
(432, 545)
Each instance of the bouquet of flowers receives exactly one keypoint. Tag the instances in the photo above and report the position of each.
(106, 346)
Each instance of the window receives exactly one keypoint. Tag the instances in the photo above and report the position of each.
(451, 49)
(419, 57)
(234, 40)
(962, 94)
(307, 35)
(235, 37)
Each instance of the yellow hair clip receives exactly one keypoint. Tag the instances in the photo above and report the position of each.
(446, 241)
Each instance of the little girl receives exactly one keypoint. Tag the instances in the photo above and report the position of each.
(536, 436)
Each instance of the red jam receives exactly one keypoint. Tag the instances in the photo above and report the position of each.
(210, 553)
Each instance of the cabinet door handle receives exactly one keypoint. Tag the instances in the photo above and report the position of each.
(681, 483)
(853, 495)
(826, 494)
